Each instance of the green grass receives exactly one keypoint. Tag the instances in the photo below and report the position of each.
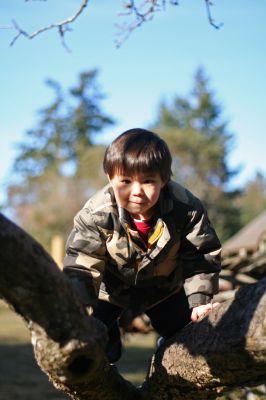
(20, 376)
(12, 328)
(138, 350)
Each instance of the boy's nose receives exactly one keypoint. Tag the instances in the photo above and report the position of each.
(136, 188)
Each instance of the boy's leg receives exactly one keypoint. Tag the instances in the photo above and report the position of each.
(170, 315)
(109, 313)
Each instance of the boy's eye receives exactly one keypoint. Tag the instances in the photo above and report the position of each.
(125, 181)
(149, 181)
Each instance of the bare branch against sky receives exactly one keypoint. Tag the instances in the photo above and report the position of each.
(137, 12)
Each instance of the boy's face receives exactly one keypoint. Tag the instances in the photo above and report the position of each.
(137, 193)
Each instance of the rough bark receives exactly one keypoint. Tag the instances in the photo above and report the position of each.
(226, 349)
(68, 345)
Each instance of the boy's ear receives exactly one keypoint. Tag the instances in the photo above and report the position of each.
(108, 177)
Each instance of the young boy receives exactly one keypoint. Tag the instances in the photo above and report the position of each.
(143, 243)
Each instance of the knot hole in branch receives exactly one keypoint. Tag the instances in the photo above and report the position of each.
(80, 365)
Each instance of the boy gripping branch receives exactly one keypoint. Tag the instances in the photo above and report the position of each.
(143, 243)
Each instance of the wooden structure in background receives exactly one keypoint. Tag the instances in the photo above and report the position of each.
(244, 257)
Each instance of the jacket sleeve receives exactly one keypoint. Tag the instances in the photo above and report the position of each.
(85, 258)
(200, 254)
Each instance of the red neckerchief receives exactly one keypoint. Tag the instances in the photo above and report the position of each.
(143, 227)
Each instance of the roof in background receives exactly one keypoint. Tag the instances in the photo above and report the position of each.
(248, 237)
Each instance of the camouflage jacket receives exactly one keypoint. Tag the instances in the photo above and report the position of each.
(107, 259)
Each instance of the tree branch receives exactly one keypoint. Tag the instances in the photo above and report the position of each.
(140, 12)
(224, 350)
(208, 4)
(145, 11)
(68, 344)
(62, 26)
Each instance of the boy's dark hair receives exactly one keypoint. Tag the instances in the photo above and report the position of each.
(138, 151)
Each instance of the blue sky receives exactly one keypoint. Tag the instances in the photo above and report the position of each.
(157, 62)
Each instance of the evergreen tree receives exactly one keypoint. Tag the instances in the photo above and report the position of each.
(252, 200)
(200, 142)
(65, 130)
(58, 166)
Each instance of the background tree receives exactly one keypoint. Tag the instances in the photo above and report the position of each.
(252, 200)
(57, 163)
(67, 127)
(200, 142)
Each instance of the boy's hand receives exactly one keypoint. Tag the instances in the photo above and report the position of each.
(200, 311)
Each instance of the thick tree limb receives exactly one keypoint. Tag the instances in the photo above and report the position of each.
(226, 349)
(68, 345)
